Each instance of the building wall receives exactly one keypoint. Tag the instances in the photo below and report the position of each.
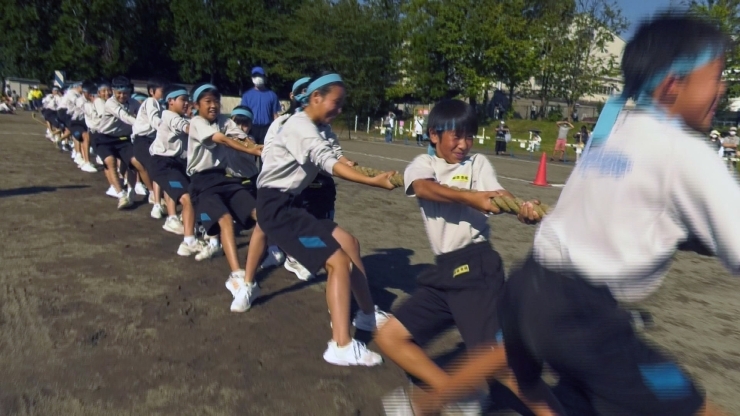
(21, 86)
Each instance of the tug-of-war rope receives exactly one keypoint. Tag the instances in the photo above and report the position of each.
(506, 204)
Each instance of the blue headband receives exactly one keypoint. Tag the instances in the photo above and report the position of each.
(175, 94)
(103, 85)
(121, 88)
(200, 90)
(241, 112)
(318, 83)
(300, 83)
(680, 67)
(87, 89)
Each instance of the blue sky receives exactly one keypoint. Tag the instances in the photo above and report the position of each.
(634, 10)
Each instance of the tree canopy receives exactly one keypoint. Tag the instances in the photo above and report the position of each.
(387, 50)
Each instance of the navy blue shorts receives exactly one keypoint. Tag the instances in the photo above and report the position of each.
(214, 195)
(141, 150)
(169, 173)
(583, 334)
(289, 226)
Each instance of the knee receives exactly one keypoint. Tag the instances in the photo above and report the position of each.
(226, 221)
(339, 261)
(391, 334)
(185, 200)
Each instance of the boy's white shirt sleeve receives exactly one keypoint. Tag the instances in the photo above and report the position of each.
(334, 142)
(233, 130)
(484, 175)
(153, 115)
(177, 125)
(422, 167)
(705, 198)
(119, 112)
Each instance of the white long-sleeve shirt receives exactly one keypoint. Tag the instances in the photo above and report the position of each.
(631, 201)
(297, 153)
(148, 118)
(205, 154)
(118, 118)
(94, 113)
(171, 138)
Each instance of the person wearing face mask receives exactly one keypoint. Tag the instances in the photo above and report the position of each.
(264, 104)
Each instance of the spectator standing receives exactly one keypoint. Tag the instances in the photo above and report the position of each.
(501, 132)
(389, 123)
(730, 143)
(419, 129)
(563, 128)
(264, 104)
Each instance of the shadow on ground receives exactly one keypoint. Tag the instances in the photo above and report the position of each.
(31, 190)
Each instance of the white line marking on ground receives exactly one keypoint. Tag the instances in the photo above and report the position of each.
(408, 161)
(497, 157)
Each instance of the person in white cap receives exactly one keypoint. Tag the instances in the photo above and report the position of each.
(716, 143)
(729, 144)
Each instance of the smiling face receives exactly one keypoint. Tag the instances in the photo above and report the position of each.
(122, 96)
(452, 146)
(105, 93)
(322, 109)
(208, 106)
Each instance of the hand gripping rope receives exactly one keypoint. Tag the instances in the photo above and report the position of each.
(506, 204)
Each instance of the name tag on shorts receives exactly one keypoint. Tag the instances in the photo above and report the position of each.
(461, 270)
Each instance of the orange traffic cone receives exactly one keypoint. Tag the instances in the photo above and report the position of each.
(541, 178)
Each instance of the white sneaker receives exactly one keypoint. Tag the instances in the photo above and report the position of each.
(124, 201)
(140, 189)
(296, 268)
(209, 251)
(235, 281)
(99, 161)
(370, 322)
(88, 167)
(73, 155)
(245, 297)
(111, 192)
(156, 212)
(174, 225)
(355, 353)
(186, 249)
(79, 160)
(398, 403)
(275, 257)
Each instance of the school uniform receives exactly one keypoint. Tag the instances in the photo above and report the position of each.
(292, 161)
(320, 196)
(77, 124)
(54, 113)
(46, 103)
(169, 155)
(66, 106)
(114, 130)
(462, 287)
(144, 130)
(630, 203)
(222, 180)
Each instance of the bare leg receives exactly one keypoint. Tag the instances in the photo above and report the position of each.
(257, 247)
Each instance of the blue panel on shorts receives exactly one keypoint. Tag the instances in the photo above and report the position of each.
(500, 336)
(204, 217)
(666, 380)
(312, 242)
(176, 185)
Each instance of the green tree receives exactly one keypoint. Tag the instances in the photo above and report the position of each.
(576, 60)
(355, 39)
(726, 14)
(197, 39)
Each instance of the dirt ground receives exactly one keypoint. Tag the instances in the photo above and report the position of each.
(99, 316)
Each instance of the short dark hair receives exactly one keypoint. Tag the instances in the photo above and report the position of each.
(241, 120)
(154, 83)
(659, 42)
(453, 115)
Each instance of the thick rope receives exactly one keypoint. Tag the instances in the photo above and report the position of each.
(506, 204)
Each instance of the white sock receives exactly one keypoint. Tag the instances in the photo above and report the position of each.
(189, 240)
(122, 194)
(214, 242)
(172, 217)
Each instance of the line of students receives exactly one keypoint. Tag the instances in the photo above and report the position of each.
(560, 307)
